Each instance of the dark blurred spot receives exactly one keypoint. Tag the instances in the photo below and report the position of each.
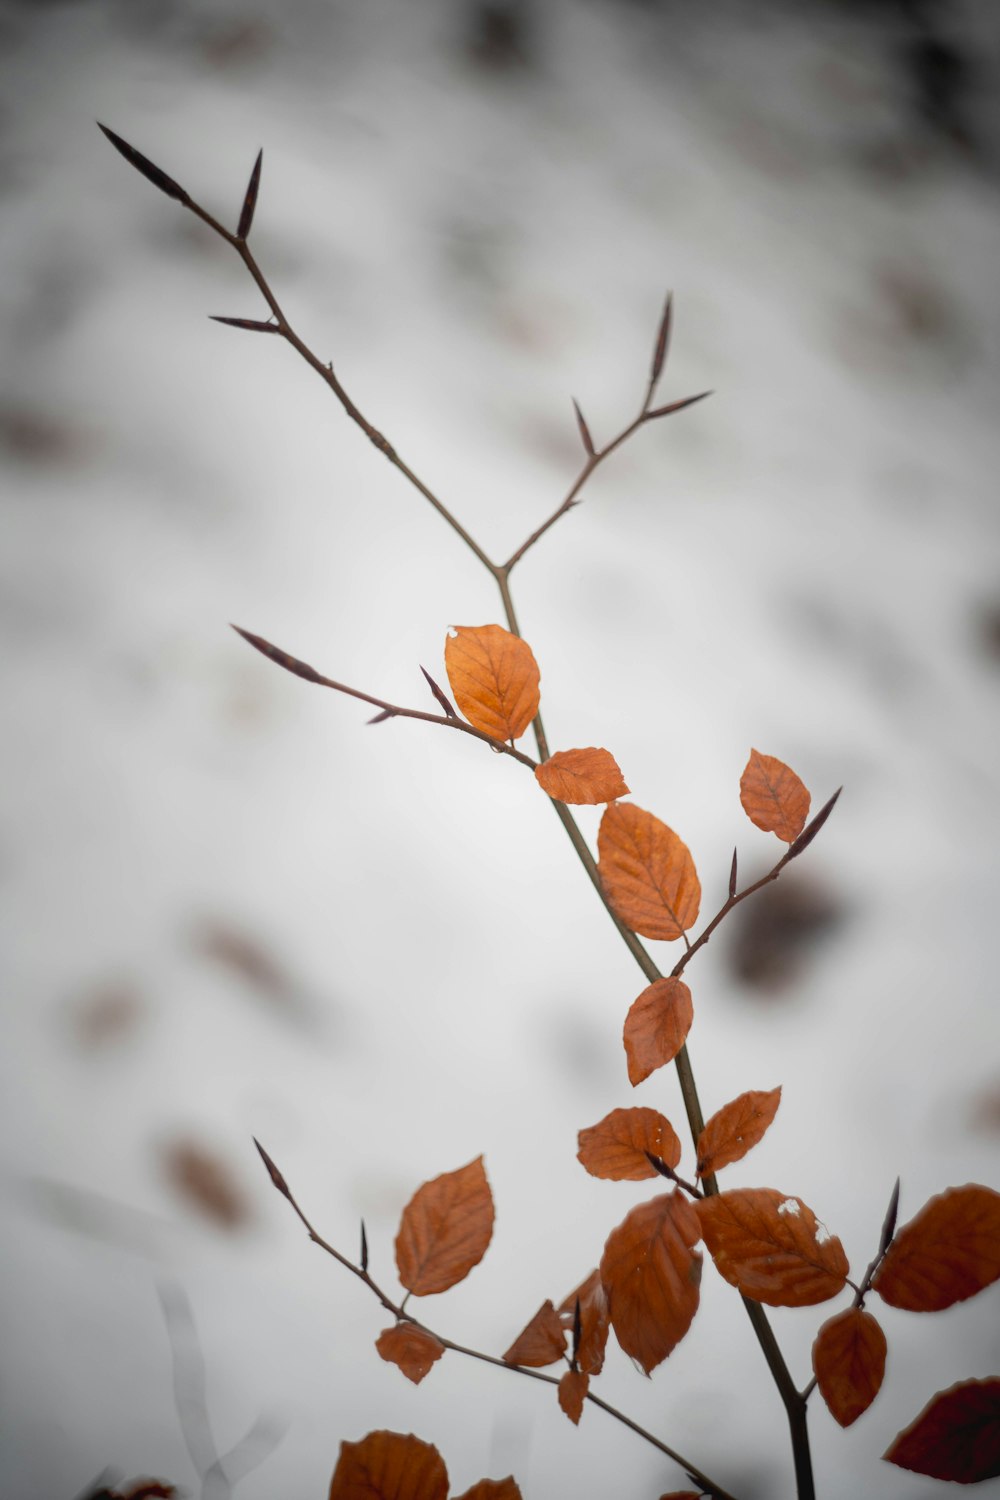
(256, 966)
(986, 1111)
(30, 436)
(919, 308)
(95, 1215)
(134, 1489)
(107, 1014)
(775, 935)
(939, 75)
(206, 1183)
(988, 630)
(237, 44)
(498, 37)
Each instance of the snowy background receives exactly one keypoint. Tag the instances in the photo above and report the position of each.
(232, 909)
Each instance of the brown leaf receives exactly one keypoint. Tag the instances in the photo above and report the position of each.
(389, 1466)
(849, 1362)
(950, 1251)
(683, 1495)
(735, 1129)
(572, 1390)
(541, 1342)
(494, 678)
(956, 1436)
(770, 1246)
(206, 1181)
(773, 797)
(445, 1230)
(656, 1027)
(594, 1322)
(616, 1147)
(581, 776)
(651, 1273)
(492, 1489)
(413, 1349)
(647, 872)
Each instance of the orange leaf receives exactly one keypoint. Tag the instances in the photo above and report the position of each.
(647, 872)
(773, 797)
(956, 1436)
(389, 1466)
(572, 1390)
(445, 1230)
(493, 1489)
(413, 1349)
(735, 1129)
(950, 1251)
(541, 1342)
(594, 1322)
(616, 1148)
(581, 776)
(656, 1027)
(771, 1247)
(651, 1275)
(494, 677)
(849, 1361)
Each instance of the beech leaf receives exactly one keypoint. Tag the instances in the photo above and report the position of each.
(656, 1027)
(494, 677)
(651, 1274)
(735, 1129)
(616, 1147)
(949, 1252)
(594, 1322)
(848, 1359)
(445, 1230)
(647, 872)
(492, 1489)
(572, 1390)
(541, 1342)
(956, 1436)
(581, 776)
(771, 1247)
(413, 1349)
(773, 797)
(389, 1466)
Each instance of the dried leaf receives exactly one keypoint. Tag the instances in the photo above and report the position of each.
(581, 776)
(735, 1129)
(493, 1489)
(656, 1027)
(413, 1349)
(849, 1362)
(389, 1466)
(651, 1273)
(956, 1436)
(494, 678)
(616, 1147)
(594, 1322)
(949, 1252)
(206, 1181)
(773, 797)
(772, 1248)
(445, 1230)
(143, 164)
(250, 201)
(647, 872)
(541, 1342)
(573, 1389)
(683, 1495)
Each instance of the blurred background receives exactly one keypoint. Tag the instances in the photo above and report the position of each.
(231, 909)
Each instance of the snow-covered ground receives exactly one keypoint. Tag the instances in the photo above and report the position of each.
(232, 909)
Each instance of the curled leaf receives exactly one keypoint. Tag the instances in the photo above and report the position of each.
(494, 677)
(445, 1230)
(949, 1252)
(735, 1129)
(651, 1274)
(656, 1028)
(848, 1358)
(647, 872)
(581, 776)
(413, 1349)
(541, 1342)
(773, 797)
(772, 1248)
(617, 1147)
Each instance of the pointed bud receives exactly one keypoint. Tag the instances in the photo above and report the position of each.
(577, 1330)
(658, 1165)
(143, 164)
(666, 411)
(253, 325)
(290, 663)
(732, 877)
(364, 1247)
(272, 1171)
(380, 718)
(441, 697)
(250, 201)
(588, 441)
(810, 831)
(889, 1227)
(662, 340)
